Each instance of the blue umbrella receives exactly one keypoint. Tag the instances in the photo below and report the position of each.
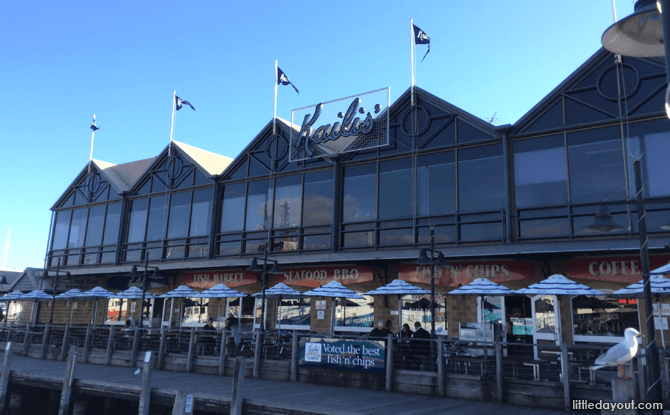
(399, 288)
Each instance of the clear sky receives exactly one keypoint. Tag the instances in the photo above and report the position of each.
(63, 61)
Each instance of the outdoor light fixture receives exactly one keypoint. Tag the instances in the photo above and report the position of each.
(603, 222)
(155, 280)
(434, 261)
(254, 267)
(45, 276)
(643, 34)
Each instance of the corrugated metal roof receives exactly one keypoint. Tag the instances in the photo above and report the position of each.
(214, 164)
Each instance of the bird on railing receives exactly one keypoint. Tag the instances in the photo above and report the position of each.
(620, 353)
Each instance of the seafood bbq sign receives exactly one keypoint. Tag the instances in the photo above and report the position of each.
(334, 128)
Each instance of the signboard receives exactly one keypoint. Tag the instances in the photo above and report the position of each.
(208, 279)
(316, 277)
(342, 354)
(341, 126)
(625, 270)
(464, 273)
(83, 283)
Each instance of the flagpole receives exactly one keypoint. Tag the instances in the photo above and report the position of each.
(274, 119)
(411, 31)
(174, 95)
(90, 155)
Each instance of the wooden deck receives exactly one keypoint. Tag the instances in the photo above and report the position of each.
(213, 393)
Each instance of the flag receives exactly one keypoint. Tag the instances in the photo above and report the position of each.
(421, 38)
(93, 126)
(283, 79)
(181, 102)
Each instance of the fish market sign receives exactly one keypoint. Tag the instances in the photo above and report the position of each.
(327, 129)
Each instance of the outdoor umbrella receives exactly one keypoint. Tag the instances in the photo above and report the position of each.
(398, 288)
(483, 287)
(180, 292)
(134, 293)
(334, 290)
(660, 288)
(278, 292)
(95, 294)
(69, 295)
(222, 291)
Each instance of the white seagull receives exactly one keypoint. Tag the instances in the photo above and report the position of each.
(620, 353)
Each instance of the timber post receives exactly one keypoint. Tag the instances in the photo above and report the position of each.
(45, 341)
(440, 367)
(222, 352)
(294, 357)
(257, 355)
(26, 339)
(66, 338)
(66, 392)
(191, 352)
(500, 392)
(110, 346)
(238, 384)
(389, 363)
(183, 403)
(4, 376)
(145, 393)
(161, 349)
(87, 343)
(136, 347)
(565, 370)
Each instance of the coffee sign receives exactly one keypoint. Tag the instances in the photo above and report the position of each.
(626, 270)
(341, 126)
(464, 273)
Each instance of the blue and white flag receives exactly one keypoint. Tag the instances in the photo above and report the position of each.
(180, 102)
(421, 38)
(283, 79)
(93, 126)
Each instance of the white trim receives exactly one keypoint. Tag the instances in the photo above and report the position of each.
(597, 339)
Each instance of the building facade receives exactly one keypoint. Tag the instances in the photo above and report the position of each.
(509, 203)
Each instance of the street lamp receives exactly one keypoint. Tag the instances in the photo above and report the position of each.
(45, 276)
(645, 34)
(138, 279)
(254, 267)
(434, 262)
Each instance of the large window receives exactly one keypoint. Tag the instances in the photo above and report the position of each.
(353, 314)
(436, 184)
(605, 320)
(540, 177)
(481, 185)
(232, 213)
(259, 205)
(359, 201)
(396, 188)
(85, 236)
(650, 141)
(172, 226)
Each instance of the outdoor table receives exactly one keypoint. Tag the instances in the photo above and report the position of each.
(536, 367)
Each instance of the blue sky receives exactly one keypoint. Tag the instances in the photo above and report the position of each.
(64, 61)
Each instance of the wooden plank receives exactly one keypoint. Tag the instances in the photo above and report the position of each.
(67, 382)
(4, 376)
(145, 394)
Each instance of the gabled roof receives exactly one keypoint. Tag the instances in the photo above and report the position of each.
(212, 163)
(27, 281)
(11, 277)
(125, 174)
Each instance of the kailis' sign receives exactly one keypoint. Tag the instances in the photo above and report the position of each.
(330, 130)
(626, 270)
(359, 355)
(455, 274)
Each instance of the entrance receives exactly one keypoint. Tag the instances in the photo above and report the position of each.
(546, 320)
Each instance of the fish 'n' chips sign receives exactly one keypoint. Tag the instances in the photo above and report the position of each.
(358, 355)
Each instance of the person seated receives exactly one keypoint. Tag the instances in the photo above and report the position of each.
(208, 340)
(233, 336)
(404, 345)
(130, 324)
(376, 332)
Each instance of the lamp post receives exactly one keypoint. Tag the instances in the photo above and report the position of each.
(434, 262)
(645, 34)
(45, 276)
(138, 278)
(264, 282)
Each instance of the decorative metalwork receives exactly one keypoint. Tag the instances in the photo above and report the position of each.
(629, 91)
(92, 187)
(276, 148)
(173, 172)
(425, 119)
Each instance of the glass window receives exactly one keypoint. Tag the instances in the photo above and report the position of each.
(157, 218)
(481, 185)
(117, 310)
(180, 206)
(545, 317)
(355, 313)
(259, 205)
(138, 220)
(288, 195)
(540, 177)
(96, 221)
(396, 188)
(112, 224)
(62, 229)
(232, 213)
(318, 198)
(595, 163)
(436, 184)
(196, 312)
(200, 214)
(650, 141)
(359, 202)
(294, 313)
(77, 228)
(593, 316)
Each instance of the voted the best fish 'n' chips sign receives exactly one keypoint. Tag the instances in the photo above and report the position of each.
(358, 355)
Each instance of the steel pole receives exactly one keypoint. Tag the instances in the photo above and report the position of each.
(654, 390)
